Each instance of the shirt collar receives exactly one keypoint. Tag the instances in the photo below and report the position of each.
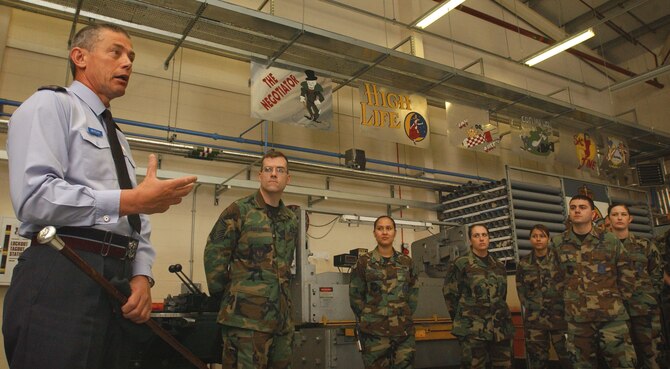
(88, 96)
(377, 257)
(260, 203)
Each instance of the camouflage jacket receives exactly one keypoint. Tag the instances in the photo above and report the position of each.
(647, 275)
(662, 246)
(248, 258)
(383, 294)
(539, 283)
(475, 291)
(595, 271)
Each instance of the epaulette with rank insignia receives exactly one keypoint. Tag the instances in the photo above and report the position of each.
(52, 88)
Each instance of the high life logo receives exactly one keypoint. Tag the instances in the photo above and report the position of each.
(380, 107)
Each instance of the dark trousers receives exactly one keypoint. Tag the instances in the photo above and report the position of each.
(56, 317)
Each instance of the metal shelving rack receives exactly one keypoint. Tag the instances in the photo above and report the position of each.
(487, 204)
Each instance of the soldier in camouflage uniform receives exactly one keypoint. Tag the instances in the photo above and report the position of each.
(595, 270)
(248, 263)
(662, 243)
(475, 292)
(383, 295)
(539, 283)
(643, 307)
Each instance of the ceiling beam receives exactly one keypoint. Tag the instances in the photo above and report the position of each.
(636, 33)
(664, 55)
(580, 22)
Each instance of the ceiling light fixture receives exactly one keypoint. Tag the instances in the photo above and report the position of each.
(642, 77)
(559, 47)
(438, 12)
(400, 223)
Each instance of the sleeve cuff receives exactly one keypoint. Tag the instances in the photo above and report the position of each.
(107, 206)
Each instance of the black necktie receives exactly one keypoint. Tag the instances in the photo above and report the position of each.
(120, 164)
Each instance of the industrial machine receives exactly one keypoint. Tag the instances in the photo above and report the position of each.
(191, 318)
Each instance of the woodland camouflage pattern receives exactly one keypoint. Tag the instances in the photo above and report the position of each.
(646, 275)
(643, 306)
(248, 257)
(539, 282)
(384, 295)
(475, 292)
(540, 287)
(596, 274)
(388, 352)
(662, 245)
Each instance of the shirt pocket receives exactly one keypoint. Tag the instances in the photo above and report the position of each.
(98, 159)
(96, 156)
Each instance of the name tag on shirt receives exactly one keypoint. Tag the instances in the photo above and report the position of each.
(94, 132)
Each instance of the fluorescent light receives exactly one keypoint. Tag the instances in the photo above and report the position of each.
(438, 12)
(559, 47)
(401, 223)
(642, 77)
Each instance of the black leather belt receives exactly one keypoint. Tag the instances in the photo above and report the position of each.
(98, 241)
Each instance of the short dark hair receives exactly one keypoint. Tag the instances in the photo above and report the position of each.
(384, 216)
(476, 225)
(274, 154)
(88, 36)
(615, 204)
(540, 227)
(583, 197)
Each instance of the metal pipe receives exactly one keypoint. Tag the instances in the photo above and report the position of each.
(312, 167)
(250, 128)
(538, 206)
(536, 215)
(193, 211)
(536, 188)
(215, 136)
(187, 30)
(528, 224)
(640, 228)
(527, 195)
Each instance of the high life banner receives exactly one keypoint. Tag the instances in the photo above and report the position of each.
(288, 96)
(394, 115)
(469, 128)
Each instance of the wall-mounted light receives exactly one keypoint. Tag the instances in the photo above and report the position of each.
(559, 47)
(400, 223)
(438, 12)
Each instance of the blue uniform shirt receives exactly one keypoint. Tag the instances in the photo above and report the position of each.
(61, 170)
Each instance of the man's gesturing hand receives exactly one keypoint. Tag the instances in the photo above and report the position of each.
(154, 195)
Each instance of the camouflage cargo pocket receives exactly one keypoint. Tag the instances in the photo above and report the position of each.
(250, 303)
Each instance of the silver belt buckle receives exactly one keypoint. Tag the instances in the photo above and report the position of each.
(131, 250)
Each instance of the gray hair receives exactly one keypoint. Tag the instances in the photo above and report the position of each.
(88, 36)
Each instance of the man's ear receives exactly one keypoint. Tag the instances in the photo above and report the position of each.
(78, 57)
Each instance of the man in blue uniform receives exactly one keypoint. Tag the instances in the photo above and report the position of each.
(70, 168)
